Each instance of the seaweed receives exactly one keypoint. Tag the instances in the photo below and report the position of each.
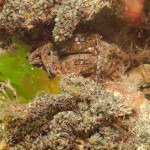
(26, 79)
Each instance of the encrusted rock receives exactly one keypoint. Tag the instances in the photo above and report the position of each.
(68, 14)
(84, 111)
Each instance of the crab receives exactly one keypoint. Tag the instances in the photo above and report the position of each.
(88, 55)
(85, 54)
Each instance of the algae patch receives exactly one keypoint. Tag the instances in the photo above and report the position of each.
(26, 79)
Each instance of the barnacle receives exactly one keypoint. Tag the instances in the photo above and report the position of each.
(18, 13)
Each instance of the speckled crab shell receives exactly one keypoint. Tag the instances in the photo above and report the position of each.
(84, 54)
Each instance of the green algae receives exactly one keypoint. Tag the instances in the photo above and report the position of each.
(26, 79)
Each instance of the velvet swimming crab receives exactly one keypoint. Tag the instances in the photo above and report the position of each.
(86, 54)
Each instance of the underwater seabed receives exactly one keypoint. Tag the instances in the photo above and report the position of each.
(98, 52)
